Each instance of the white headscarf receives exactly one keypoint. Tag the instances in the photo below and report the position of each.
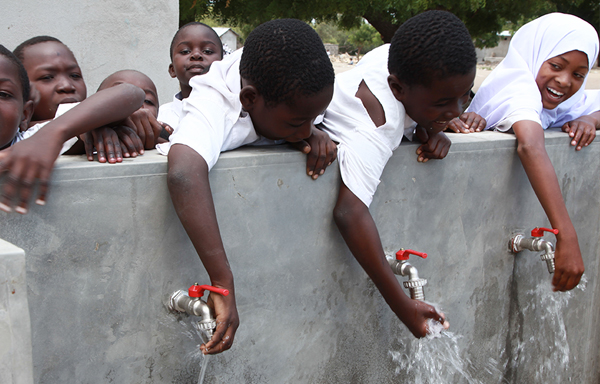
(510, 90)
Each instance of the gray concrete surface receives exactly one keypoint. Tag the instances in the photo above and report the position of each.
(105, 36)
(15, 328)
(107, 249)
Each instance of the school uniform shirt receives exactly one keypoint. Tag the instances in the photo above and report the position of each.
(364, 149)
(213, 119)
(510, 93)
(62, 108)
(170, 113)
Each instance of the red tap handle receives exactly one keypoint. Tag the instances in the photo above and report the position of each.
(198, 290)
(539, 232)
(403, 254)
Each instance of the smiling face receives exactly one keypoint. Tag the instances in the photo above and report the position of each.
(195, 48)
(561, 76)
(292, 122)
(433, 106)
(54, 72)
(13, 111)
(139, 80)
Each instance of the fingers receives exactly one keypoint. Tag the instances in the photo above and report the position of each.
(564, 281)
(88, 144)
(458, 126)
(302, 146)
(19, 185)
(470, 119)
(132, 144)
(222, 339)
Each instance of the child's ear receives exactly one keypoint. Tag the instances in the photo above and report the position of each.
(398, 87)
(172, 71)
(26, 116)
(249, 96)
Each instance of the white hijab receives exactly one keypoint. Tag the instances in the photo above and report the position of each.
(510, 90)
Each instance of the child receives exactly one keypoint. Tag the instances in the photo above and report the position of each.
(194, 48)
(423, 83)
(540, 84)
(143, 121)
(32, 158)
(273, 90)
(54, 73)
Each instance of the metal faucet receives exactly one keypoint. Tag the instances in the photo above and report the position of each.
(192, 304)
(535, 243)
(401, 267)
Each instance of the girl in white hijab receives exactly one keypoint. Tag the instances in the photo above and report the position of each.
(540, 84)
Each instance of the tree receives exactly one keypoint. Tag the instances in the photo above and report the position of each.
(483, 18)
(365, 38)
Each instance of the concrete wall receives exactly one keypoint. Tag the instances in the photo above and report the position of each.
(107, 249)
(15, 327)
(105, 36)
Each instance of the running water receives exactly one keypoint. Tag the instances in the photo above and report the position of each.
(204, 364)
(203, 369)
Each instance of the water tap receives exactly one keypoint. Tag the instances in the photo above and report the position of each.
(191, 303)
(401, 267)
(535, 243)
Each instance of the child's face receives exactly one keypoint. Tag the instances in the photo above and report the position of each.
(290, 123)
(433, 106)
(54, 72)
(13, 111)
(193, 52)
(560, 77)
(139, 80)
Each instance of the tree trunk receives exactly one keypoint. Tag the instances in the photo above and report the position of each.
(382, 22)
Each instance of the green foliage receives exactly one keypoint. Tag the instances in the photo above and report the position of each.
(483, 18)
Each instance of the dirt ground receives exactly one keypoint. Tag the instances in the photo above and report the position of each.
(593, 81)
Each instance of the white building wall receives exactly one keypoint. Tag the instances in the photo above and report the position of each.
(105, 36)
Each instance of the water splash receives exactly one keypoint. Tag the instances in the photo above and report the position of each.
(437, 359)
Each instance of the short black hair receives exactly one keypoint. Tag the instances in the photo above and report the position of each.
(431, 45)
(284, 58)
(23, 79)
(217, 38)
(19, 51)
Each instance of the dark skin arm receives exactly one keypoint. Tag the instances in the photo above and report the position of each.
(32, 159)
(356, 225)
(192, 198)
(542, 176)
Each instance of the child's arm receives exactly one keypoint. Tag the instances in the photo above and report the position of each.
(32, 159)
(190, 192)
(583, 129)
(435, 146)
(467, 123)
(541, 174)
(357, 227)
(321, 151)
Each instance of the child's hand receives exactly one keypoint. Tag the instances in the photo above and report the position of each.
(26, 162)
(568, 263)
(131, 144)
(582, 130)
(106, 142)
(416, 315)
(467, 123)
(434, 146)
(227, 323)
(146, 126)
(321, 151)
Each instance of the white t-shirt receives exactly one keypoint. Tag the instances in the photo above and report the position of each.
(365, 149)
(62, 108)
(213, 119)
(170, 113)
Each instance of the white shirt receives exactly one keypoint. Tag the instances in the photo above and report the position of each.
(213, 119)
(365, 149)
(62, 108)
(170, 113)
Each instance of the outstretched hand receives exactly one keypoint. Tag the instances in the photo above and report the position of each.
(228, 322)
(25, 163)
(435, 146)
(415, 317)
(321, 152)
(582, 131)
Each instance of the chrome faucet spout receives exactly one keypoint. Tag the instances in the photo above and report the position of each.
(414, 283)
(519, 242)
